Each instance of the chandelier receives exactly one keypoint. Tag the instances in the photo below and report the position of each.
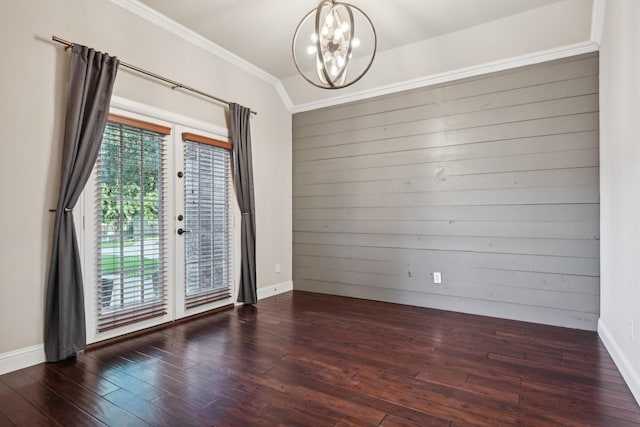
(334, 45)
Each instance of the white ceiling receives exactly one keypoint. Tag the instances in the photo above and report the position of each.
(260, 31)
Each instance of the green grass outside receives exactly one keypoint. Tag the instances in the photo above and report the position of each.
(127, 243)
(132, 265)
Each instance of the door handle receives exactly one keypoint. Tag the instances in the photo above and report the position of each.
(181, 231)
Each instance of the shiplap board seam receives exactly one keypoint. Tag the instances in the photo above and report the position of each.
(455, 182)
(415, 105)
(402, 126)
(466, 249)
(478, 236)
(345, 112)
(467, 145)
(316, 260)
(420, 251)
(419, 134)
(417, 122)
(351, 121)
(322, 162)
(435, 190)
(453, 205)
(475, 128)
(544, 264)
(304, 170)
(479, 267)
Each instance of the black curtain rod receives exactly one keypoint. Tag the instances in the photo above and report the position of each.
(175, 85)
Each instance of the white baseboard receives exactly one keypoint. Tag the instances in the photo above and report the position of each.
(29, 356)
(627, 369)
(21, 358)
(273, 290)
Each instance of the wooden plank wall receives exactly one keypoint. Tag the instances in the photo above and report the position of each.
(492, 181)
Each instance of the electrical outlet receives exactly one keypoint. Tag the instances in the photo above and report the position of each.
(437, 277)
(278, 268)
(631, 330)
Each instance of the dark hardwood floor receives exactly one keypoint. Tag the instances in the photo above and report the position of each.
(317, 360)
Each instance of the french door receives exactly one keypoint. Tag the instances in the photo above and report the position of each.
(204, 226)
(158, 227)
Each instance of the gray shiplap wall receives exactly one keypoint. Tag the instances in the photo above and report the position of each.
(492, 181)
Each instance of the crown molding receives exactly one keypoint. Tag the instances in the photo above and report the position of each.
(462, 73)
(597, 20)
(288, 103)
(155, 17)
(151, 15)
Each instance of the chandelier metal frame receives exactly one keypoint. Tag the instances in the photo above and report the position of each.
(328, 80)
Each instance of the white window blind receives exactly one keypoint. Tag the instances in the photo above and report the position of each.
(207, 222)
(131, 227)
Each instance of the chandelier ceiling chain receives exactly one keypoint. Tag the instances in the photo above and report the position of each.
(334, 45)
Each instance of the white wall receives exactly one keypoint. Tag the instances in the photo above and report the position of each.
(559, 24)
(32, 83)
(619, 191)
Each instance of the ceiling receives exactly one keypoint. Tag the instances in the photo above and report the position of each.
(260, 31)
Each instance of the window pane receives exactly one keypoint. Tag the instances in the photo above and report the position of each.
(131, 245)
(207, 248)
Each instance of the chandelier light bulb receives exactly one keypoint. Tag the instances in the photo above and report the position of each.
(355, 42)
(329, 20)
(314, 38)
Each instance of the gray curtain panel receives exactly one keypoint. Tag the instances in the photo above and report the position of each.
(90, 86)
(243, 182)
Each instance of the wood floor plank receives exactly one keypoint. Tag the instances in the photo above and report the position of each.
(145, 410)
(357, 392)
(99, 407)
(82, 398)
(70, 370)
(4, 421)
(56, 406)
(296, 387)
(393, 421)
(305, 359)
(119, 378)
(18, 411)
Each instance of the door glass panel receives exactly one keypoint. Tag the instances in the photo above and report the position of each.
(207, 248)
(130, 172)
